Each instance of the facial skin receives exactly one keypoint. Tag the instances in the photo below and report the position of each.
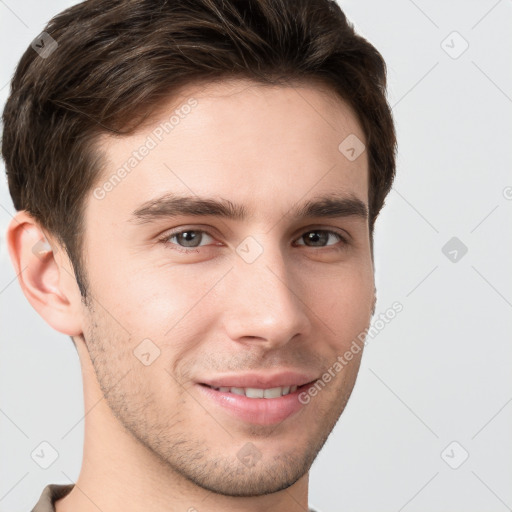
(157, 441)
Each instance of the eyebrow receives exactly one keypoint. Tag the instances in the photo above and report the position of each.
(171, 205)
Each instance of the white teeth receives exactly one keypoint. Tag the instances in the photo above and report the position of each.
(272, 393)
(257, 392)
(254, 393)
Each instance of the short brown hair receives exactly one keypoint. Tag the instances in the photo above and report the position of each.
(117, 60)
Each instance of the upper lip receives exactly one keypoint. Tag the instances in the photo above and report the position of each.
(260, 380)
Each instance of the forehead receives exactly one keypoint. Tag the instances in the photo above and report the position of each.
(260, 145)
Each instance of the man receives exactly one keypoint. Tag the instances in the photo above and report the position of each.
(197, 185)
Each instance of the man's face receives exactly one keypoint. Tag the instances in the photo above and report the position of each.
(182, 304)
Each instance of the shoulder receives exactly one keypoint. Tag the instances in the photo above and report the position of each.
(51, 493)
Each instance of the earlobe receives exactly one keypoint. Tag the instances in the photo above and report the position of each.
(45, 275)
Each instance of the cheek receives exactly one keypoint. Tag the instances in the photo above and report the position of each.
(157, 299)
(346, 306)
(167, 301)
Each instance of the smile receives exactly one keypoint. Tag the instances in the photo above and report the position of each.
(258, 392)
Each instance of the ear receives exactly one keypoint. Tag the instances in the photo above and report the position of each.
(45, 274)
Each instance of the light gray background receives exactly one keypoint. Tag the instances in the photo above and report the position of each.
(440, 371)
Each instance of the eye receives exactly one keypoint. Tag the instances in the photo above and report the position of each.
(320, 237)
(189, 240)
(186, 239)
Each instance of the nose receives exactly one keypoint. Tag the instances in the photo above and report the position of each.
(265, 301)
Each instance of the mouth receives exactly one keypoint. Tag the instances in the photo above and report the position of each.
(275, 392)
(260, 403)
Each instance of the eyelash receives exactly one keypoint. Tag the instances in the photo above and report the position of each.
(165, 239)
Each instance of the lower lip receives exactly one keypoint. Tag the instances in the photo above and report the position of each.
(259, 411)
